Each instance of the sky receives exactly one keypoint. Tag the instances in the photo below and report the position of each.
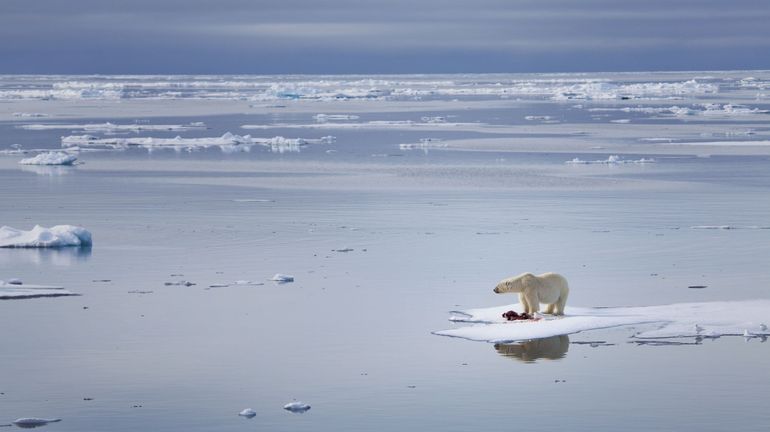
(367, 36)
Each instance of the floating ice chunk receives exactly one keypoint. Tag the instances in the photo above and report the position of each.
(728, 227)
(15, 281)
(248, 413)
(11, 290)
(424, 144)
(50, 158)
(296, 407)
(538, 117)
(41, 237)
(611, 160)
(112, 127)
(323, 118)
(713, 319)
(32, 422)
(29, 115)
(282, 278)
(227, 142)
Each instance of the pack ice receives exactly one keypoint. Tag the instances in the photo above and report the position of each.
(712, 319)
(41, 237)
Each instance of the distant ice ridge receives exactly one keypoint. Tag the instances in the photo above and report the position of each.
(111, 127)
(707, 110)
(50, 158)
(227, 142)
(424, 144)
(684, 320)
(611, 160)
(41, 237)
(323, 118)
(16, 290)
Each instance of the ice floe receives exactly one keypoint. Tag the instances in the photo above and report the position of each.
(728, 227)
(248, 413)
(112, 127)
(50, 158)
(9, 290)
(29, 115)
(684, 320)
(41, 237)
(32, 422)
(323, 118)
(282, 278)
(227, 142)
(424, 144)
(296, 407)
(611, 160)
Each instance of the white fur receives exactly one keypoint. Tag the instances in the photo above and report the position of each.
(548, 288)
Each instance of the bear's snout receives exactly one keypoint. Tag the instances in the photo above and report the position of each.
(496, 291)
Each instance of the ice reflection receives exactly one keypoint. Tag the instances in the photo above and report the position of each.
(63, 257)
(550, 348)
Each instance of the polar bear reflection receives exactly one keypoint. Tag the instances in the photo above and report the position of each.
(551, 348)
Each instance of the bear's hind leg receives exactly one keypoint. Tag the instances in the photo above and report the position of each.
(561, 303)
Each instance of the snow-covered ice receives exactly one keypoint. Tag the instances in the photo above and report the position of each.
(10, 290)
(296, 407)
(50, 158)
(41, 237)
(712, 319)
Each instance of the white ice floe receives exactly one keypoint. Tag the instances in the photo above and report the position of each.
(282, 278)
(112, 127)
(759, 143)
(32, 422)
(227, 142)
(611, 160)
(248, 413)
(50, 158)
(41, 237)
(728, 227)
(10, 290)
(713, 319)
(424, 144)
(323, 118)
(29, 115)
(296, 407)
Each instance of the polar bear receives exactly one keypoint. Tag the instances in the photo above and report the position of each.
(548, 288)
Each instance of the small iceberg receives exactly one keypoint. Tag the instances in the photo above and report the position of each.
(296, 407)
(248, 413)
(32, 422)
(611, 160)
(14, 289)
(50, 158)
(282, 278)
(41, 237)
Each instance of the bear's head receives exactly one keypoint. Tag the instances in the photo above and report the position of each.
(514, 284)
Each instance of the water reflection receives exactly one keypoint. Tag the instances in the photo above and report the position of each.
(551, 348)
(48, 170)
(64, 257)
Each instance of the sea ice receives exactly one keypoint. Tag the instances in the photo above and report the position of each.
(227, 142)
(11, 290)
(323, 118)
(41, 237)
(282, 278)
(248, 413)
(713, 319)
(50, 158)
(611, 160)
(33, 422)
(296, 407)
(112, 127)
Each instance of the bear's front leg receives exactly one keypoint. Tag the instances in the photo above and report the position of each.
(550, 309)
(523, 301)
(532, 301)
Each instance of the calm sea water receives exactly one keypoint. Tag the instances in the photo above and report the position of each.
(429, 232)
